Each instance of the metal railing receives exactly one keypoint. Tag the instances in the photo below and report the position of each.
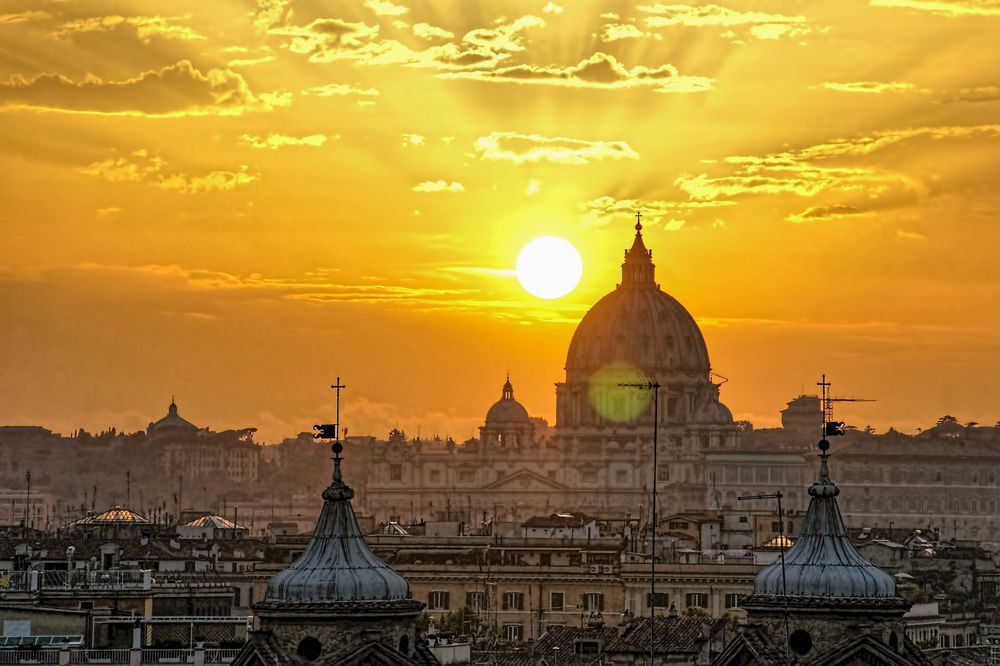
(15, 581)
(8, 657)
(99, 656)
(168, 656)
(224, 656)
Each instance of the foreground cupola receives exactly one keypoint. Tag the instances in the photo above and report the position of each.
(823, 602)
(338, 603)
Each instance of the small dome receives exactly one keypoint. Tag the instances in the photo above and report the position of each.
(118, 515)
(216, 522)
(337, 565)
(172, 421)
(507, 410)
(823, 562)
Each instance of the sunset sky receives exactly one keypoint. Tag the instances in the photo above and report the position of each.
(233, 203)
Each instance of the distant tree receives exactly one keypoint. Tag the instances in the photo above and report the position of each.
(695, 611)
(947, 419)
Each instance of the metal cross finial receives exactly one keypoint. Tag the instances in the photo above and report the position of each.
(638, 221)
(337, 388)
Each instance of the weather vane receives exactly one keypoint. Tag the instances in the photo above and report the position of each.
(332, 430)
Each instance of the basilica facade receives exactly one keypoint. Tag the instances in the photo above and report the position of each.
(597, 458)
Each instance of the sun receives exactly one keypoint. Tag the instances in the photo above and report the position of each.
(549, 267)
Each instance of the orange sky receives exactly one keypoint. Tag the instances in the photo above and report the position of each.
(234, 203)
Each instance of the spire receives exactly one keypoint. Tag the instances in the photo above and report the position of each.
(338, 491)
(824, 486)
(508, 390)
(638, 268)
(172, 409)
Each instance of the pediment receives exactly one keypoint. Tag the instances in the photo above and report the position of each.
(525, 480)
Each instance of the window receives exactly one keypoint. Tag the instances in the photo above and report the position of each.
(662, 599)
(744, 519)
(512, 632)
(513, 601)
(587, 647)
(395, 472)
(699, 599)
(557, 601)
(466, 475)
(621, 477)
(663, 474)
(545, 559)
(593, 601)
(435, 476)
(733, 600)
(677, 525)
(475, 600)
(776, 526)
(438, 600)
(588, 476)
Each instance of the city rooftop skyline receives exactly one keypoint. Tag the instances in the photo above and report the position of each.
(232, 204)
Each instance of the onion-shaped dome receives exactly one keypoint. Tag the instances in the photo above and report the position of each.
(507, 410)
(823, 562)
(337, 565)
(639, 325)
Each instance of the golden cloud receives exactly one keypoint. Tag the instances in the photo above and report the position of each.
(274, 140)
(521, 148)
(613, 32)
(600, 70)
(386, 8)
(950, 8)
(438, 186)
(145, 27)
(327, 40)
(331, 89)
(834, 212)
(142, 167)
(271, 13)
(21, 17)
(175, 90)
(870, 86)
(505, 36)
(430, 32)
(710, 15)
(602, 210)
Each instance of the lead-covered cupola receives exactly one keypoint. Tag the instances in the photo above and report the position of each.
(338, 603)
(337, 565)
(823, 563)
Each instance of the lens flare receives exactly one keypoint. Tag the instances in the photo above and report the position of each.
(616, 403)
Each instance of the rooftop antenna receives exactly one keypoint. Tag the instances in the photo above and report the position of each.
(651, 385)
(833, 428)
(781, 554)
